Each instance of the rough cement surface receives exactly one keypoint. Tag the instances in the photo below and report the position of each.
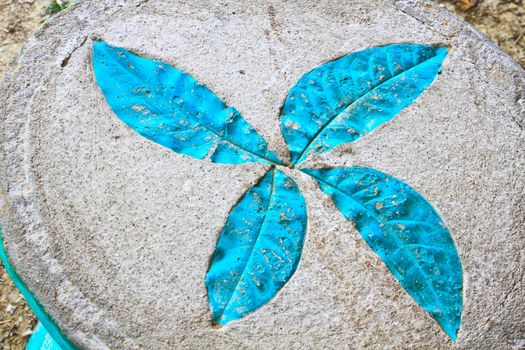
(114, 233)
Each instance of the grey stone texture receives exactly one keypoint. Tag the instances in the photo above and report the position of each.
(114, 233)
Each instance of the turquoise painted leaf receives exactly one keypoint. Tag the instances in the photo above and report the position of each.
(406, 232)
(259, 248)
(171, 108)
(340, 101)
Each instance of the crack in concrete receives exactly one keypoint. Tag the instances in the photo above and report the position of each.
(65, 61)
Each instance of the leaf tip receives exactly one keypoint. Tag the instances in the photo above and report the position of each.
(220, 321)
(99, 50)
(215, 324)
(441, 53)
(452, 332)
(450, 328)
(98, 45)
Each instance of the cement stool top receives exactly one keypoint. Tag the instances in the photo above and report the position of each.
(114, 234)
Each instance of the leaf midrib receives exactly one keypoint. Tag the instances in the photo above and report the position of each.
(272, 191)
(216, 133)
(375, 216)
(330, 120)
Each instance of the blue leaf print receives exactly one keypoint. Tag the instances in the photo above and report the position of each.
(261, 243)
(407, 234)
(342, 100)
(173, 109)
(259, 248)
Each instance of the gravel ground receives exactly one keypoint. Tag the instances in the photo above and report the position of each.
(502, 20)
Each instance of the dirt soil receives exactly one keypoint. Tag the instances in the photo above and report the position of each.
(501, 20)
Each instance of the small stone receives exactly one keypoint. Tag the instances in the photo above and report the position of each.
(10, 309)
(465, 5)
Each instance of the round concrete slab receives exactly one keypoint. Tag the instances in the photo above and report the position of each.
(114, 233)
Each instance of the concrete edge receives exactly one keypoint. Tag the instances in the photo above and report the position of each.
(413, 8)
(33, 303)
